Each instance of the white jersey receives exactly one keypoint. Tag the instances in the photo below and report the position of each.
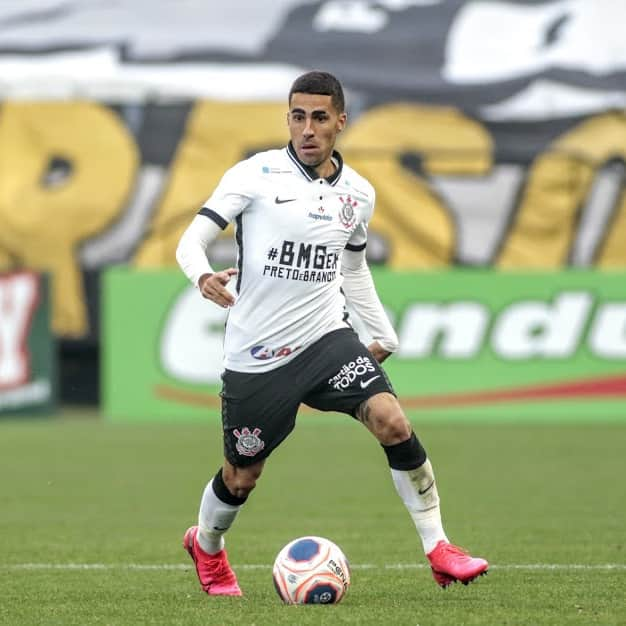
(291, 229)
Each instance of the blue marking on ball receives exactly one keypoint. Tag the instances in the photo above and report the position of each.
(321, 594)
(304, 550)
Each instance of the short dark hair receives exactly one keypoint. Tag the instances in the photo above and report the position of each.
(322, 83)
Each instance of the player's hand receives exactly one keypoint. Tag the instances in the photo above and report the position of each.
(213, 287)
(378, 352)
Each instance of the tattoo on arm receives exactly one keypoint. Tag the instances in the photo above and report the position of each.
(363, 412)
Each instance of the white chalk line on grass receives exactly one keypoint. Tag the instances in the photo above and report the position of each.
(254, 566)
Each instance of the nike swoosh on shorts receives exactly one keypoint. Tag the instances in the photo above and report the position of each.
(366, 383)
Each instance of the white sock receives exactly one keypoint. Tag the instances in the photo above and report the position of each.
(423, 507)
(214, 519)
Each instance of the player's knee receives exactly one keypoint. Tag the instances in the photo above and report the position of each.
(242, 487)
(242, 480)
(394, 429)
(242, 484)
(388, 421)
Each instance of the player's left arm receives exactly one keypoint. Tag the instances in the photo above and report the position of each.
(359, 289)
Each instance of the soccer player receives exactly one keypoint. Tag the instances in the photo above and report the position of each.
(301, 218)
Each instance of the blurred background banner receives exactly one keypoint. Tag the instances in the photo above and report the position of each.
(493, 131)
(502, 59)
(27, 353)
(161, 347)
(475, 344)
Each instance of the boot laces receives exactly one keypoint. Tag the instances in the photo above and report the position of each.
(452, 550)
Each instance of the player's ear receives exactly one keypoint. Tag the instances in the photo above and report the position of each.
(342, 121)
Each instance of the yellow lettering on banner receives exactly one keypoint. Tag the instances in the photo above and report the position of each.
(559, 182)
(604, 138)
(409, 213)
(217, 135)
(545, 225)
(43, 222)
(612, 253)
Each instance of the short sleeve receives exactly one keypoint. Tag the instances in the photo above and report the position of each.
(231, 196)
(358, 238)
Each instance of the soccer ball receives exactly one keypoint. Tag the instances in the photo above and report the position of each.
(311, 570)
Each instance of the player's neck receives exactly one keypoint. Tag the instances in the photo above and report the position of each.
(326, 169)
(330, 168)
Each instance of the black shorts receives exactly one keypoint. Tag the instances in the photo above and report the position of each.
(336, 373)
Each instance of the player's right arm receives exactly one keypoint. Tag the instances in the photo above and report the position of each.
(191, 255)
(228, 200)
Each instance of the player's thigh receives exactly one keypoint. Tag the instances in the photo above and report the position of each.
(258, 413)
(347, 375)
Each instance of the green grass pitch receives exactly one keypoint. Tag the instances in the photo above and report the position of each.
(92, 516)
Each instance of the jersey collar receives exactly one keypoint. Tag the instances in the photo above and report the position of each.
(310, 172)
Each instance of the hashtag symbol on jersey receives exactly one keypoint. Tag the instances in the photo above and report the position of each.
(272, 254)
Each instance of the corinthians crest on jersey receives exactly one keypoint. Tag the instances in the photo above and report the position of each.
(347, 214)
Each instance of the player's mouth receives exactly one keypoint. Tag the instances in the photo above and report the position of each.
(309, 151)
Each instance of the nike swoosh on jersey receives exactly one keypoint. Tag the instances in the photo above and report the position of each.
(278, 200)
(369, 381)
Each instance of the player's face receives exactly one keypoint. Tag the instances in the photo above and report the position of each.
(313, 126)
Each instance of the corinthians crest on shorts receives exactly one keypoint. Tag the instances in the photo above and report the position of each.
(347, 216)
(248, 443)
